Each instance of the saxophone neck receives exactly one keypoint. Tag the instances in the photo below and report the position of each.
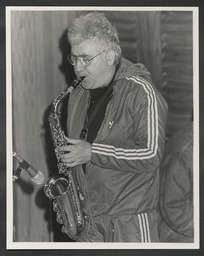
(67, 91)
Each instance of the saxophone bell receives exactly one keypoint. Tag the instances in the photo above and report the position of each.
(61, 189)
(56, 186)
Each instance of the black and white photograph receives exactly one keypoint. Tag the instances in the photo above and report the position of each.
(102, 128)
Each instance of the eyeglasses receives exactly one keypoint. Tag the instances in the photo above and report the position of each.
(84, 60)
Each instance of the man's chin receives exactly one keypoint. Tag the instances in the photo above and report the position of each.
(86, 85)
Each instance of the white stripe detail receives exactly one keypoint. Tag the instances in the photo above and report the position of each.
(141, 229)
(148, 230)
(152, 143)
(144, 228)
(121, 155)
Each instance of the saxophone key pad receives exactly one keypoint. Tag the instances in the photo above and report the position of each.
(59, 218)
(56, 207)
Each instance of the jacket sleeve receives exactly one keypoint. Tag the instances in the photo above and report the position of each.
(148, 122)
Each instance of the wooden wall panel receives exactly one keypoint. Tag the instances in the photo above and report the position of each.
(37, 78)
(149, 44)
(177, 67)
(27, 69)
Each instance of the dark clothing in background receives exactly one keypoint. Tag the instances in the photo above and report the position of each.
(176, 188)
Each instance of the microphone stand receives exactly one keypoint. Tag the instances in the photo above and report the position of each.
(16, 173)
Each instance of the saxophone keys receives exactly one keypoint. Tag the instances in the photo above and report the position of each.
(81, 197)
(55, 206)
(63, 229)
(59, 218)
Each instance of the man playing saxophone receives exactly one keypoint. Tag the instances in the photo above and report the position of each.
(116, 128)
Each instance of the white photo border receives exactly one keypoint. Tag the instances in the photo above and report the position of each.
(61, 246)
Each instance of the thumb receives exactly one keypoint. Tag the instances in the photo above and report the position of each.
(72, 141)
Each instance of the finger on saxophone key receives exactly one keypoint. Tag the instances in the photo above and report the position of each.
(63, 150)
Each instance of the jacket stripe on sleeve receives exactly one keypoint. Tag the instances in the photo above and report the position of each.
(152, 131)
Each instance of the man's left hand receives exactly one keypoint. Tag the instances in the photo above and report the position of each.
(79, 152)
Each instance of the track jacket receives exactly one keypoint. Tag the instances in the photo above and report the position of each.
(122, 178)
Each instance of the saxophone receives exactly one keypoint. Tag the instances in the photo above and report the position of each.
(61, 187)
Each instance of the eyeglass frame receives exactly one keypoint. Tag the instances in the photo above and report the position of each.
(82, 57)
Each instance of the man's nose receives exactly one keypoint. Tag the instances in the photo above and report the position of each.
(78, 66)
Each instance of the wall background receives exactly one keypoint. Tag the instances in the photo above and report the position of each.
(160, 40)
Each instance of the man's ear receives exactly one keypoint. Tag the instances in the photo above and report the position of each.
(110, 56)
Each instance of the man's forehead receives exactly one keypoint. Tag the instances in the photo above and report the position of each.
(86, 47)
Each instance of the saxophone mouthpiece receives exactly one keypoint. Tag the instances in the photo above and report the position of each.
(77, 82)
(82, 78)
